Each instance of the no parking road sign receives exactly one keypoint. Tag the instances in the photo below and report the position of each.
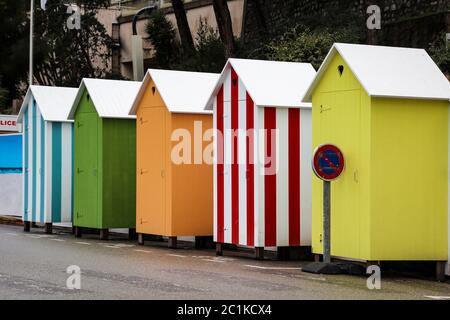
(328, 162)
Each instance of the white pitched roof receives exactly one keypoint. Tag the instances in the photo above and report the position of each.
(181, 91)
(270, 83)
(389, 72)
(54, 103)
(111, 98)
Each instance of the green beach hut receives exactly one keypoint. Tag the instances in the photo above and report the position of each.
(104, 156)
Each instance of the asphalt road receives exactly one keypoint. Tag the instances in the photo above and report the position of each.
(33, 266)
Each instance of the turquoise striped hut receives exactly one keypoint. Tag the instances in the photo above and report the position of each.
(47, 156)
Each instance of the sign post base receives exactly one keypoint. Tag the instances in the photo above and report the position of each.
(322, 268)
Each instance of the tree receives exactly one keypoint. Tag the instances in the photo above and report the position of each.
(161, 34)
(441, 54)
(66, 55)
(225, 26)
(302, 44)
(3, 99)
(210, 53)
(187, 43)
(14, 33)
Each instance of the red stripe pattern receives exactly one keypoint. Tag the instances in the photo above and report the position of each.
(235, 164)
(264, 222)
(270, 179)
(250, 171)
(294, 177)
(220, 168)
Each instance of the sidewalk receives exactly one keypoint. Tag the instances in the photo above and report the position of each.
(11, 220)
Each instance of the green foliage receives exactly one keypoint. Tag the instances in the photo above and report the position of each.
(161, 34)
(3, 98)
(440, 52)
(209, 55)
(64, 56)
(210, 51)
(301, 44)
(14, 47)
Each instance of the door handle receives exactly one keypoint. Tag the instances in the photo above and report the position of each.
(143, 171)
(79, 170)
(356, 176)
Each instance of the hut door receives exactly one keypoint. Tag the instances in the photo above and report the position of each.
(86, 172)
(340, 123)
(151, 170)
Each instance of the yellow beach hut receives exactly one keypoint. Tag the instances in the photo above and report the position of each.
(387, 109)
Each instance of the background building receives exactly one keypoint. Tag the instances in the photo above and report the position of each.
(118, 22)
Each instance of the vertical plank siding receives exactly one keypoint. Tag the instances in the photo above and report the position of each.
(262, 178)
(47, 154)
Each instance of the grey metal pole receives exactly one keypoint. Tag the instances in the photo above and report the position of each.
(31, 42)
(326, 222)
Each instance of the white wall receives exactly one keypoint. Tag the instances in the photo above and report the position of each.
(11, 194)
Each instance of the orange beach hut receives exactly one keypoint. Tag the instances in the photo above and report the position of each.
(174, 183)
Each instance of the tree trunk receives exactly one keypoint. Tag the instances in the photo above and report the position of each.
(371, 35)
(259, 16)
(225, 26)
(187, 42)
(447, 20)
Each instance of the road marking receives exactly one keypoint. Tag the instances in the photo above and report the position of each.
(213, 260)
(143, 251)
(310, 278)
(207, 258)
(270, 268)
(34, 236)
(59, 240)
(83, 243)
(122, 245)
(438, 297)
(12, 234)
(176, 255)
(107, 245)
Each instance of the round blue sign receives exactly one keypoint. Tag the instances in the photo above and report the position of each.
(328, 162)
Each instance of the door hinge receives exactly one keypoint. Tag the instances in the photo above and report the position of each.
(142, 221)
(322, 109)
(142, 121)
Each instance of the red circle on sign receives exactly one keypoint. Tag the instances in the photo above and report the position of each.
(328, 162)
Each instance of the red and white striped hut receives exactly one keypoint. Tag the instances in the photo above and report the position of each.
(262, 172)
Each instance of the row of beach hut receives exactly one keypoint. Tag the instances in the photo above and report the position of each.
(101, 156)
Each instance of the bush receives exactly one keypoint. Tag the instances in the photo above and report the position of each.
(161, 34)
(441, 54)
(3, 99)
(301, 44)
(210, 51)
(209, 55)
